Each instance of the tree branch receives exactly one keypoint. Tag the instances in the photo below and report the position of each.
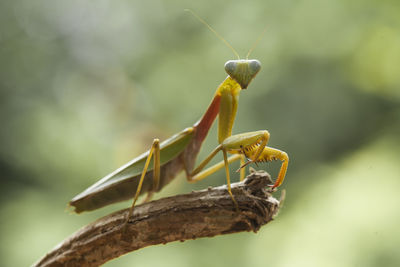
(198, 214)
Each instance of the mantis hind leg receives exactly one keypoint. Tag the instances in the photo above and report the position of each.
(155, 149)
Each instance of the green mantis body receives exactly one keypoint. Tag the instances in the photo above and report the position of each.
(151, 171)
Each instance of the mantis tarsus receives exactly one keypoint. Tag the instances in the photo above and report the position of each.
(152, 170)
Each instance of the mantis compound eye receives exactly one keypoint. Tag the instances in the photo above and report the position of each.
(243, 71)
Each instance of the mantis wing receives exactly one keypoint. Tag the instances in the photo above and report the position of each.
(122, 183)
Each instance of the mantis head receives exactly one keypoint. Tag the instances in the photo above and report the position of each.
(243, 71)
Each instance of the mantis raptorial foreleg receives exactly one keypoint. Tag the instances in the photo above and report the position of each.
(269, 154)
(253, 142)
(155, 149)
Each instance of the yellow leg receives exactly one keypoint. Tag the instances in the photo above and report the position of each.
(201, 175)
(228, 180)
(285, 162)
(156, 172)
(264, 142)
(242, 170)
(198, 175)
(256, 155)
(155, 148)
(269, 154)
(203, 163)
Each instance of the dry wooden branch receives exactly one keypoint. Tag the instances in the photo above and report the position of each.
(203, 213)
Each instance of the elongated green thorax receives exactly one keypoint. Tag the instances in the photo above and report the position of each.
(229, 92)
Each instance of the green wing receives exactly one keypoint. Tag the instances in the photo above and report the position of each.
(169, 150)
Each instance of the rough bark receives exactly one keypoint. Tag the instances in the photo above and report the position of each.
(198, 214)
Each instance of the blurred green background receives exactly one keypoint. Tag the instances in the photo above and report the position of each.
(86, 85)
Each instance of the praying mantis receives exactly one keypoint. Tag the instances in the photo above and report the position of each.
(152, 170)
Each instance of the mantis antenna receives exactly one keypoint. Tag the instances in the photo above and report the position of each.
(256, 42)
(214, 31)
